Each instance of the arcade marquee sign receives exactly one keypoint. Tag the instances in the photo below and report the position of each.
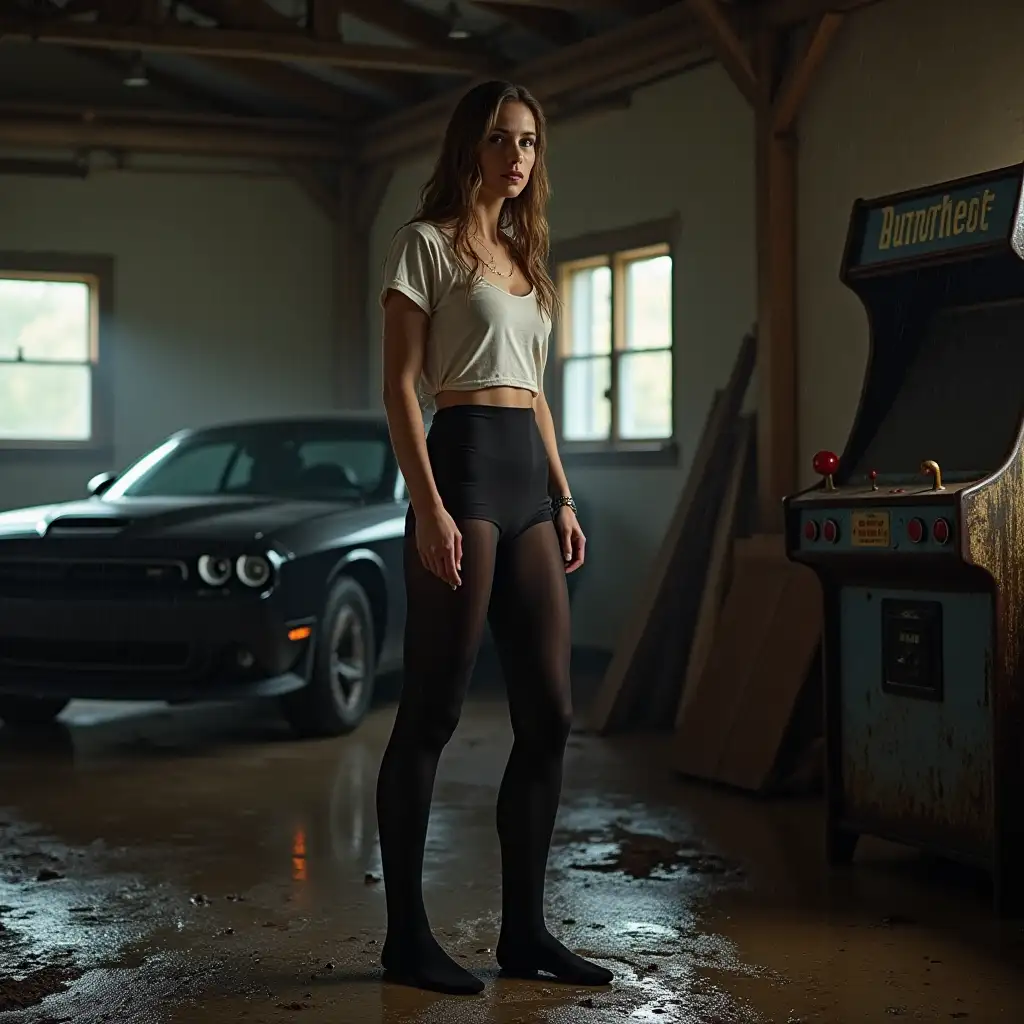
(980, 213)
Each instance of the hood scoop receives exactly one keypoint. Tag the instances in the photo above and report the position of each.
(86, 526)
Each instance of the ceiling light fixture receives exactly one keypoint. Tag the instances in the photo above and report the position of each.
(457, 27)
(137, 77)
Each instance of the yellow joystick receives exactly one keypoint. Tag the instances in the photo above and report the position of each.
(932, 469)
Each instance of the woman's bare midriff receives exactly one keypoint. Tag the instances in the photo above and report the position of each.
(511, 398)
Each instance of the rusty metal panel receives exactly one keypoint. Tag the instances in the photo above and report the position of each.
(917, 760)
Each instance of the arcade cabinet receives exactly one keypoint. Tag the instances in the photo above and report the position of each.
(916, 532)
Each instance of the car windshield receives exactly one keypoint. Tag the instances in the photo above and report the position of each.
(326, 461)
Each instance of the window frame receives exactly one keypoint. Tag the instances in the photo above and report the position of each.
(614, 248)
(98, 273)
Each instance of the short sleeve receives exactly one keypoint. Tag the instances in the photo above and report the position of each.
(413, 267)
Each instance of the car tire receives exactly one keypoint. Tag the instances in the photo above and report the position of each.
(339, 690)
(28, 711)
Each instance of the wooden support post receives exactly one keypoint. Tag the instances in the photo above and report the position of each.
(782, 87)
(776, 92)
(776, 183)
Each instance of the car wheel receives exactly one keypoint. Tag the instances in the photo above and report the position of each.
(17, 711)
(340, 687)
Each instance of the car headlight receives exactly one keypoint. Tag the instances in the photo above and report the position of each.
(253, 570)
(214, 570)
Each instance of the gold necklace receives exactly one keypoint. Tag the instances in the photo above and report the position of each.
(493, 266)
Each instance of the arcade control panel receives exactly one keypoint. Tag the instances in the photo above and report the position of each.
(853, 519)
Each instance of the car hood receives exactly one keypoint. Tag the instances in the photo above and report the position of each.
(178, 518)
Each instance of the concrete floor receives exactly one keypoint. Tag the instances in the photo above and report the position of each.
(197, 865)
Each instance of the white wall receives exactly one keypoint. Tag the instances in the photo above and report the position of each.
(686, 145)
(223, 302)
(914, 92)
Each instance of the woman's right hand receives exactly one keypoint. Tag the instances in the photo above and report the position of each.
(440, 545)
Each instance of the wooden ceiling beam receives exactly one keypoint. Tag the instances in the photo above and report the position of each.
(255, 14)
(253, 45)
(785, 13)
(151, 115)
(580, 66)
(287, 83)
(625, 6)
(796, 84)
(281, 81)
(248, 14)
(55, 127)
(295, 87)
(670, 39)
(727, 46)
(180, 88)
(419, 27)
(556, 26)
(413, 24)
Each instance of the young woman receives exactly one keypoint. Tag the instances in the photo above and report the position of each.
(492, 528)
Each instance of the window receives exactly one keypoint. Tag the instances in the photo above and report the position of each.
(614, 351)
(49, 352)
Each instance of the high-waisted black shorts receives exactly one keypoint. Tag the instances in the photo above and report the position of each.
(489, 463)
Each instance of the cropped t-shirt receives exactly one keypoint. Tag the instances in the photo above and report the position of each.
(486, 338)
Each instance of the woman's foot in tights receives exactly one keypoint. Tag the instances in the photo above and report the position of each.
(527, 953)
(418, 960)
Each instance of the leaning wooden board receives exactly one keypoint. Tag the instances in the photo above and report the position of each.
(673, 627)
(640, 634)
(767, 635)
(719, 570)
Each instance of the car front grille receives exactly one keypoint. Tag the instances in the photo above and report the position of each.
(93, 654)
(91, 578)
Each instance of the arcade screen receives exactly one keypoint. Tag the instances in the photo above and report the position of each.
(962, 398)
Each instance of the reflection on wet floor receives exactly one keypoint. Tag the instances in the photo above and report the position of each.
(198, 865)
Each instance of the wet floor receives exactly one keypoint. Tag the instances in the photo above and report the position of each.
(198, 865)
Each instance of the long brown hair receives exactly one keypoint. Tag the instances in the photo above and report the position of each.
(449, 195)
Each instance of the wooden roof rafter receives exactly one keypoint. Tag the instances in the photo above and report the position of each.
(69, 126)
(289, 84)
(550, 23)
(602, 67)
(255, 45)
(258, 44)
(324, 17)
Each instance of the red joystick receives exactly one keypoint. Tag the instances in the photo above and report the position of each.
(873, 477)
(825, 464)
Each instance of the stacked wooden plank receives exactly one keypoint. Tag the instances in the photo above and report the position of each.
(723, 639)
(642, 685)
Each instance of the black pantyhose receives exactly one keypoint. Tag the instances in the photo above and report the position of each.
(519, 586)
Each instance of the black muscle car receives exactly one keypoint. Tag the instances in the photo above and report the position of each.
(259, 558)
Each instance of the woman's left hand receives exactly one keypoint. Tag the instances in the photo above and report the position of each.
(571, 538)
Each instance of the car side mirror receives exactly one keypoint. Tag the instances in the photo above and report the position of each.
(100, 483)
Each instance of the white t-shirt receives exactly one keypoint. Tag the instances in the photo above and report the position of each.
(486, 338)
